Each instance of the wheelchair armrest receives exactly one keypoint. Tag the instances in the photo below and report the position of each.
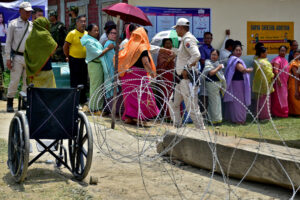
(80, 87)
(22, 101)
(23, 95)
(31, 85)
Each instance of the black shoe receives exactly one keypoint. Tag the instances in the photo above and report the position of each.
(10, 102)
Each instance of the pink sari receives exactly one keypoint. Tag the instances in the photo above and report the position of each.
(139, 101)
(279, 97)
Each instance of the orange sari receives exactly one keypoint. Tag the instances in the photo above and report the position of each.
(133, 49)
(294, 104)
(139, 101)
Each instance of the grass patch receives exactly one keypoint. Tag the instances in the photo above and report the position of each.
(286, 129)
(42, 183)
(6, 80)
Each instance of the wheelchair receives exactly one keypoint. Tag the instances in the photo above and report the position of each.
(52, 114)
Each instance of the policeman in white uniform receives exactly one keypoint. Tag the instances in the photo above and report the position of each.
(15, 42)
(187, 59)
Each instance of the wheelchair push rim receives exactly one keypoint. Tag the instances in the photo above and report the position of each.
(18, 147)
(81, 148)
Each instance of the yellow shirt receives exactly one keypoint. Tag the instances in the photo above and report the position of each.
(76, 49)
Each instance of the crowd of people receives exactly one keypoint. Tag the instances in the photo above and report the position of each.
(211, 83)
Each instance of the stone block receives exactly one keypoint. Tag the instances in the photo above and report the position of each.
(235, 157)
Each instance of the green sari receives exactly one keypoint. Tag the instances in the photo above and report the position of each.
(38, 49)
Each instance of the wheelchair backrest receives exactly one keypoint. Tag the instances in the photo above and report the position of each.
(52, 113)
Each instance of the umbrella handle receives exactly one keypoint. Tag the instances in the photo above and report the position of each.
(113, 118)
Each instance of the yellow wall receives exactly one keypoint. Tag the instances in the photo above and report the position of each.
(234, 14)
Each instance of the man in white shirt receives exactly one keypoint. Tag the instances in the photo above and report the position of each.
(187, 59)
(226, 49)
(17, 33)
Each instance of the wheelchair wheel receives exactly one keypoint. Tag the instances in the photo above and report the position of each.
(81, 148)
(18, 147)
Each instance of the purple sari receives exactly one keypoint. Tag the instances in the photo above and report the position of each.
(139, 101)
(238, 93)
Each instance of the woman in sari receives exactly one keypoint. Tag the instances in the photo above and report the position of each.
(238, 92)
(128, 31)
(165, 67)
(39, 47)
(279, 98)
(112, 37)
(97, 67)
(215, 81)
(135, 67)
(293, 85)
(262, 84)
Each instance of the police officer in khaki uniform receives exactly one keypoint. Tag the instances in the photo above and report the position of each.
(58, 32)
(187, 57)
(17, 33)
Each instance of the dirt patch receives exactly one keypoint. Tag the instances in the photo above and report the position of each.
(125, 178)
(43, 181)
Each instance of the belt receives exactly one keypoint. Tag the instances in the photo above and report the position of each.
(178, 78)
(18, 53)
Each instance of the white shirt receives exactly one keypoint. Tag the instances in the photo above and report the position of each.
(122, 45)
(15, 32)
(224, 53)
(188, 52)
(103, 39)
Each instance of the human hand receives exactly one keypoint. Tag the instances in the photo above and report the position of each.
(220, 66)
(279, 82)
(227, 32)
(152, 74)
(185, 74)
(111, 46)
(67, 59)
(249, 70)
(172, 55)
(8, 64)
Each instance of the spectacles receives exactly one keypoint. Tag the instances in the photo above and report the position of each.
(114, 33)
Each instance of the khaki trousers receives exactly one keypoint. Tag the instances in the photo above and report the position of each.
(18, 70)
(183, 92)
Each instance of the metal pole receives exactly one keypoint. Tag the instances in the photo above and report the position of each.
(115, 76)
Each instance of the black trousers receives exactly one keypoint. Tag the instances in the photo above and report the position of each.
(79, 76)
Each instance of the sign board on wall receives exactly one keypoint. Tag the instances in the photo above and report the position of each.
(163, 19)
(272, 34)
(10, 11)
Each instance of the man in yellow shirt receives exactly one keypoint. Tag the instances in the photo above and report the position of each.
(75, 54)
